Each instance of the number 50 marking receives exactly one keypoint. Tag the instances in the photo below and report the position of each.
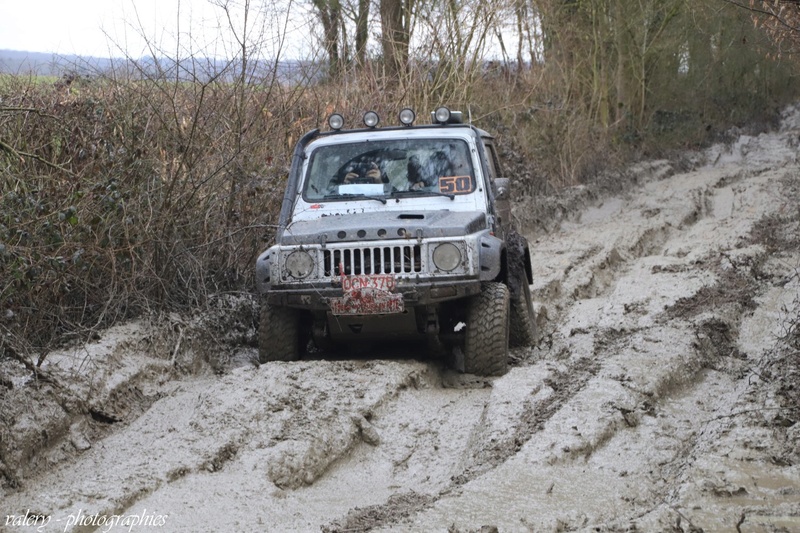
(455, 184)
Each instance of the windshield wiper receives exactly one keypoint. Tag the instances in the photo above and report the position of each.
(342, 196)
(419, 192)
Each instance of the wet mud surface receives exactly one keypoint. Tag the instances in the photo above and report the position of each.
(662, 395)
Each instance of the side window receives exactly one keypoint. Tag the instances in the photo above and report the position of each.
(494, 168)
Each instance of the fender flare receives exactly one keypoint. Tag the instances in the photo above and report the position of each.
(491, 256)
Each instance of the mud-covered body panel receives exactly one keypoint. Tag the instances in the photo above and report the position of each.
(385, 225)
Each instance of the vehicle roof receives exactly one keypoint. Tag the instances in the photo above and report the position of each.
(433, 130)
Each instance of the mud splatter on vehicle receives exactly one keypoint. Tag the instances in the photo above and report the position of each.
(399, 232)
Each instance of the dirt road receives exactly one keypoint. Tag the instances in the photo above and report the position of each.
(657, 399)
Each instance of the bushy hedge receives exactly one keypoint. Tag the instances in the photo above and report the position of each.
(119, 197)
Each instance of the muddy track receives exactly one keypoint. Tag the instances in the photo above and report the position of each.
(647, 404)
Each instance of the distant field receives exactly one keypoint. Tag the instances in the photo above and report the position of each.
(26, 63)
(189, 69)
(35, 78)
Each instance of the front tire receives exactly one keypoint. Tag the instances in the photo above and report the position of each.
(278, 334)
(486, 341)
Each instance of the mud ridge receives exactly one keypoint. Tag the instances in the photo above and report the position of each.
(398, 507)
(89, 392)
(564, 384)
(716, 314)
(486, 456)
(545, 214)
(297, 458)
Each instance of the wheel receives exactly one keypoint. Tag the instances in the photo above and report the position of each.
(486, 340)
(278, 334)
(523, 318)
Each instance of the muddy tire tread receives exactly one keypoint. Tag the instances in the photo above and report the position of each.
(278, 334)
(486, 342)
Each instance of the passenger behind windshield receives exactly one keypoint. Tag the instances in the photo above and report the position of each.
(449, 161)
(421, 176)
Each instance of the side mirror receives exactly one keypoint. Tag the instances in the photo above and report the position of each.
(502, 202)
(502, 189)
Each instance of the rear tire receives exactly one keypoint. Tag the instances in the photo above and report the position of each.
(486, 341)
(523, 318)
(278, 334)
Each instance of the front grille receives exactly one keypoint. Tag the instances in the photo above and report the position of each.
(372, 260)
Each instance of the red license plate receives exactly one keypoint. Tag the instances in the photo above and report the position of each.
(368, 295)
(367, 302)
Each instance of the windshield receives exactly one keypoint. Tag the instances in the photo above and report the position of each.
(377, 169)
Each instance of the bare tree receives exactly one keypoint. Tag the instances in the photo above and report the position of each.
(527, 19)
(358, 12)
(339, 19)
(781, 20)
(330, 16)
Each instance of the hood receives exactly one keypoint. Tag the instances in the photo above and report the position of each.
(384, 225)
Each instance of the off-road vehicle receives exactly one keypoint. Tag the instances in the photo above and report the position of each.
(397, 232)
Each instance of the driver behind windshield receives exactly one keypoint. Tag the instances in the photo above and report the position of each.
(360, 172)
(365, 173)
(405, 165)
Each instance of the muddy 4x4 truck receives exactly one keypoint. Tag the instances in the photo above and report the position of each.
(397, 233)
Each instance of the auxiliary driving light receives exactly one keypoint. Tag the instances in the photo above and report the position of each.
(336, 121)
(441, 115)
(371, 119)
(407, 116)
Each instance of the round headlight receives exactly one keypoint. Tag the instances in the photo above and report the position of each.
(371, 119)
(442, 115)
(447, 256)
(299, 264)
(407, 116)
(336, 121)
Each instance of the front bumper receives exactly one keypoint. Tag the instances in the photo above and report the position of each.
(411, 263)
(414, 294)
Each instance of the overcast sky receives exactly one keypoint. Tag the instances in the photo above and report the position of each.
(102, 27)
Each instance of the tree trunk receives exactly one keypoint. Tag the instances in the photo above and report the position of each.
(330, 15)
(395, 16)
(362, 31)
